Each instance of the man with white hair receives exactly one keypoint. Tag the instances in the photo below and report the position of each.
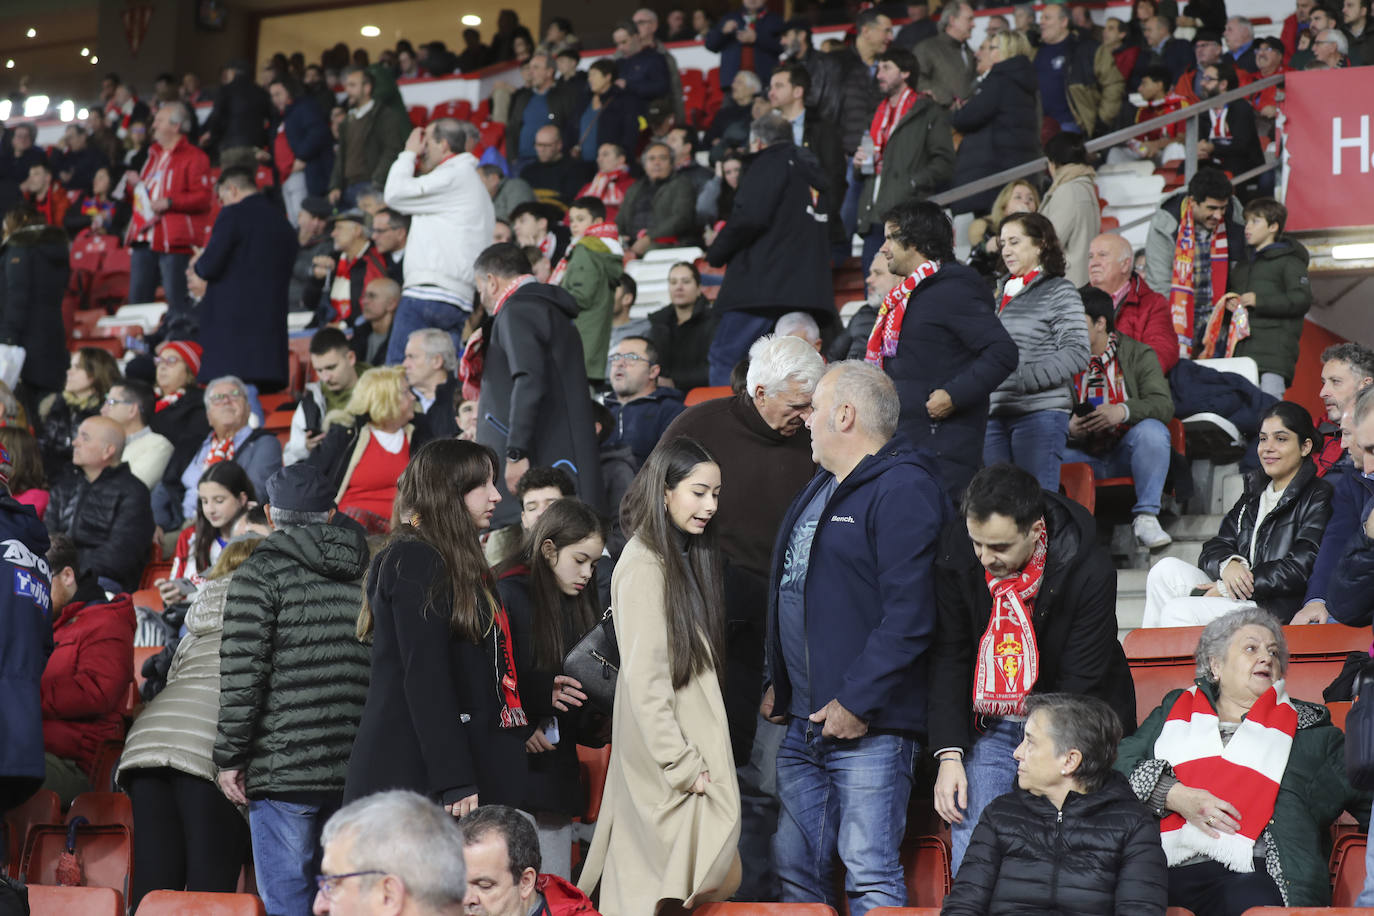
(394, 852)
(761, 443)
(1141, 312)
(431, 367)
(799, 324)
(851, 611)
(1331, 49)
(1240, 43)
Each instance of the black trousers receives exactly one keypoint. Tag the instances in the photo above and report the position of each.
(1211, 889)
(187, 835)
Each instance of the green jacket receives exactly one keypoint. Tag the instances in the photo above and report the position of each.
(385, 139)
(674, 212)
(293, 675)
(592, 276)
(1147, 391)
(917, 162)
(1278, 278)
(1312, 794)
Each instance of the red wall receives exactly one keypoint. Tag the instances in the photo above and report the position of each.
(1307, 377)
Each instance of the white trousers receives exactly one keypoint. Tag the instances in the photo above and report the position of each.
(1169, 602)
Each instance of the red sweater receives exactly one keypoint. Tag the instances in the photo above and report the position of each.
(372, 486)
(87, 678)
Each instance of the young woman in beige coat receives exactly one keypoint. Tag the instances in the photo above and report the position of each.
(668, 835)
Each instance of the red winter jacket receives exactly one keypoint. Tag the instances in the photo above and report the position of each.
(1144, 314)
(562, 898)
(186, 187)
(87, 677)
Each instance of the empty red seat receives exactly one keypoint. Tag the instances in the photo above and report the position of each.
(105, 854)
(43, 808)
(75, 901)
(103, 809)
(419, 115)
(593, 762)
(454, 108)
(708, 393)
(179, 903)
(763, 909)
(1347, 868)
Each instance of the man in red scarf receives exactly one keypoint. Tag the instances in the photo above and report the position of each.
(1025, 601)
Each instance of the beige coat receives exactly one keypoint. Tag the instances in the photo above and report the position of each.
(1071, 205)
(655, 840)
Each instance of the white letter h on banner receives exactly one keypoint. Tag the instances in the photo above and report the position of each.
(1339, 143)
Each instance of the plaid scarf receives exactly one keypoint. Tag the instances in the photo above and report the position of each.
(1182, 293)
(885, 121)
(1008, 657)
(887, 329)
(607, 232)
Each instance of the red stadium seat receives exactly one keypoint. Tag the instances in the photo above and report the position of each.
(708, 393)
(103, 809)
(763, 909)
(108, 752)
(43, 808)
(493, 133)
(419, 115)
(180, 903)
(1347, 869)
(593, 762)
(455, 108)
(75, 901)
(154, 571)
(106, 855)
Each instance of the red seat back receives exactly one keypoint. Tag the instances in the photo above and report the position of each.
(178, 903)
(708, 393)
(75, 901)
(103, 808)
(43, 808)
(106, 855)
(1347, 868)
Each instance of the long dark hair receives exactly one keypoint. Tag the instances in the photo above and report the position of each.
(1040, 230)
(1298, 421)
(692, 599)
(564, 523)
(429, 508)
(231, 476)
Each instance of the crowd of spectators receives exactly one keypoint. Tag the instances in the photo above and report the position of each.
(814, 581)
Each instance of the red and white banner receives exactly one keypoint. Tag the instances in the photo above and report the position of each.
(1330, 133)
(136, 17)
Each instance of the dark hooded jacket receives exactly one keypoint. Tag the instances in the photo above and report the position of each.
(241, 114)
(1001, 126)
(640, 422)
(683, 348)
(31, 303)
(25, 639)
(1278, 278)
(534, 393)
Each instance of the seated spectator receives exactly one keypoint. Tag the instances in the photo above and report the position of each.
(90, 376)
(1163, 144)
(540, 268)
(554, 177)
(1080, 87)
(611, 116)
(538, 224)
(26, 480)
(643, 71)
(372, 332)
(1269, 57)
(1070, 203)
(336, 369)
(1255, 560)
(1206, 52)
(1271, 285)
(131, 403)
(852, 342)
(1330, 50)
(363, 459)
(124, 108)
(1164, 49)
(542, 103)
(717, 198)
(591, 272)
(1233, 765)
(75, 161)
(1227, 137)
(1240, 43)
(1019, 196)
(35, 274)
(88, 674)
(390, 232)
(1141, 313)
(501, 232)
(42, 191)
(339, 281)
(659, 210)
(997, 120)
(730, 126)
(502, 854)
(312, 224)
(622, 325)
(682, 141)
(1121, 406)
(506, 193)
(537, 489)
(682, 331)
(612, 179)
(225, 493)
(1069, 806)
(431, 371)
(640, 407)
(97, 210)
(16, 158)
(179, 413)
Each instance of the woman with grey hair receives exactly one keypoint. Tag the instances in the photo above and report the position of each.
(1245, 780)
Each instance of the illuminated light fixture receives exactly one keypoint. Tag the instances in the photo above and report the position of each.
(35, 105)
(94, 59)
(84, 113)
(471, 19)
(9, 64)
(32, 33)
(85, 52)
(5, 106)
(67, 110)
(370, 31)
(1356, 252)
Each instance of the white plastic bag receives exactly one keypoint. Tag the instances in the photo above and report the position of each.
(11, 363)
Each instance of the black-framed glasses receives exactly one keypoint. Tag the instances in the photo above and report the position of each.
(630, 358)
(327, 884)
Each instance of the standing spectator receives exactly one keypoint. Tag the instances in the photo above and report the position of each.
(1126, 51)
(130, 403)
(338, 282)
(537, 226)
(506, 193)
(242, 277)
(335, 366)
(76, 161)
(591, 272)
(554, 177)
(1228, 139)
(998, 122)
(1070, 203)
(372, 332)
(1141, 313)
(1269, 54)
(390, 233)
(717, 198)
(1360, 28)
(123, 109)
(912, 149)
(540, 103)
(730, 125)
(1029, 414)
(475, 55)
(612, 179)
(683, 330)
(668, 730)
(946, 61)
(238, 124)
(35, 279)
(856, 94)
(293, 679)
(431, 367)
(313, 241)
(749, 40)
(850, 533)
(370, 138)
(302, 148)
(1080, 87)
(91, 372)
(533, 406)
(88, 674)
(659, 210)
(1024, 571)
(645, 22)
(179, 414)
(1165, 49)
(1121, 406)
(641, 409)
(451, 220)
(509, 30)
(609, 116)
(1295, 25)
(776, 244)
(949, 353)
(16, 158)
(787, 91)
(1204, 14)
(103, 507)
(42, 192)
(172, 200)
(643, 72)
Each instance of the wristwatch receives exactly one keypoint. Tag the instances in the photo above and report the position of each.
(516, 454)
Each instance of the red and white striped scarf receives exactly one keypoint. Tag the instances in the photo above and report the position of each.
(1182, 293)
(887, 329)
(518, 282)
(1014, 285)
(885, 121)
(1101, 383)
(1245, 772)
(606, 187)
(1008, 657)
(607, 232)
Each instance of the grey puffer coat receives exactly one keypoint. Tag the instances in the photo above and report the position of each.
(1047, 323)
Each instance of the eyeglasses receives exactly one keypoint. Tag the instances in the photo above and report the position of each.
(225, 397)
(327, 884)
(167, 360)
(111, 402)
(630, 358)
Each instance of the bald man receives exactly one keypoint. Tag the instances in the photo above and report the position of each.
(372, 335)
(555, 178)
(103, 507)
(1141, 312)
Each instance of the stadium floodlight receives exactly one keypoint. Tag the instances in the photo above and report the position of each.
(370, 31)
(1358, 252)
(35, 105)
(67, 110)
(471, 19)
(5, 106)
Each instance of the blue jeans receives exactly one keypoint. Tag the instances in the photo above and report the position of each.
(735, 334)
(991, 772)
(286, 853)
(148, 268)
(872, 242)
(416, 314)
(1035, 442)
(1143, 453)
(348, 197)
(848, 797)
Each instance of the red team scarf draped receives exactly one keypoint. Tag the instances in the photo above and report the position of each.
(1008, 657)
(473, 360)
(1014, 285)
(1182, 295)
(885, 121)
(607, 232)
(887, 329)
(221, 450)
(1246, 771)
(606, 187)
(1101, 383)
(512, 714)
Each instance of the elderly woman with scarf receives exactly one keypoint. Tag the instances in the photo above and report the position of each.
(1245, 780)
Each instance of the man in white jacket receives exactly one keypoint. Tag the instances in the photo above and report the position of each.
(451, 223)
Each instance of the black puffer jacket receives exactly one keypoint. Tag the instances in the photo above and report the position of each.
(1000, 124)
(858, 98)
(1289, 538)
(109, 519)
(35, 278)
(57, 425)
(1098, 855)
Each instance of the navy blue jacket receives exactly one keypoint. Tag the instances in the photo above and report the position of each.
(870, 589)
(767, 46)
(247, 263)
(1350, 592)
(1353, 492)
(25, 638)
(646, 78)
(307, 133)
(640, 423)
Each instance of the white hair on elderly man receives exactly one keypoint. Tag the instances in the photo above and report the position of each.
(776, 360)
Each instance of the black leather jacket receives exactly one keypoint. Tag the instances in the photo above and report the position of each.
(1289, 539)
(109, 519)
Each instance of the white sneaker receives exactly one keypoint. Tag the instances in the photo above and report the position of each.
(1149, 533)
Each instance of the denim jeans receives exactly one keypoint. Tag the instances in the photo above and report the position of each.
(1143, 454)
(1033, 441)
(848, 797)
(416, 314)
(735, 334)
(873, 241)
(991, 772)
(286, 852)
(148, 268)
(348, 197)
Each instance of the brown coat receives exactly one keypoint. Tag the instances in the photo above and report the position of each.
(655, 840)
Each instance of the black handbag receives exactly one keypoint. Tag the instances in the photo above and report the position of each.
(1359, 731)
(595, 662)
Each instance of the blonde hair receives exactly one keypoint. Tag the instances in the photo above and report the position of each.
(1011, 43)
(999, 206)
(232, 557)
(379, 394)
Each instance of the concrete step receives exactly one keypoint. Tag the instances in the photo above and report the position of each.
(1130, 600)
(1193, 527)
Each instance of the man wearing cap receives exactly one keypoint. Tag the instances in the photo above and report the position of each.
(293, 680)
(312, 235)
(338, 281)
(242, 277)
(1206, 52)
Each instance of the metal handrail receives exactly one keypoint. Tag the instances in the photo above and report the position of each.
(1188, 113)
